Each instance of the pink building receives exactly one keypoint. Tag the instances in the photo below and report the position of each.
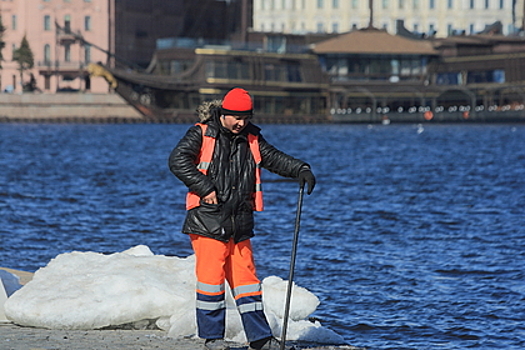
(60, 57)
(66, 35)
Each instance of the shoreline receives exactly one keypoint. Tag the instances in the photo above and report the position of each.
(15, 337)
(111, 108)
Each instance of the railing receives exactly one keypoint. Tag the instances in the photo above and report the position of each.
(369, 116)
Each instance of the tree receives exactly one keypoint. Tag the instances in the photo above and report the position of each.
(24, 57)
(2, 42)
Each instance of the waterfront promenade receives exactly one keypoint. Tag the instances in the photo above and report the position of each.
(89, 108)
(66, 107)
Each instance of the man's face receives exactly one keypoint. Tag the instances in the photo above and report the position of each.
(235, 123)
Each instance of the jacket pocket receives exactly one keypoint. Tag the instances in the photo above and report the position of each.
(210, 219)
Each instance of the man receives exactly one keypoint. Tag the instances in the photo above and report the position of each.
(220, 160)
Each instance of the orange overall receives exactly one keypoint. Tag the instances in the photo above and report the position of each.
(218, 261)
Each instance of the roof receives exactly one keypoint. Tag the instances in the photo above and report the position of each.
(373, 41)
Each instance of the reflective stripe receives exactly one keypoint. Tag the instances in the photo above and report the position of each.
(210, 288)
(251, 307)
(250, 288)
(203, 165)
(253, 141)
(210, 306)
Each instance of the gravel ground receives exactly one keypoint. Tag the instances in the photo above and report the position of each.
(13, 337)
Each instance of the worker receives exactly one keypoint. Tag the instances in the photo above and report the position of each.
(220, 161)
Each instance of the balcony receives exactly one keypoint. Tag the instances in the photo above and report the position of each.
(60, 66)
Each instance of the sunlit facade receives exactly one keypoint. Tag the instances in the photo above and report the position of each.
(66, 35)
(430, 17)
(60, 58)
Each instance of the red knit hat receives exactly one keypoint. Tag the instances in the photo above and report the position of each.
(237, 102)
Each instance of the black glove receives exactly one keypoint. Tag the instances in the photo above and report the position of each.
(306, 176)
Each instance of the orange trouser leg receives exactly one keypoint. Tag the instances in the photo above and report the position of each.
(211, 256)
(216, 262)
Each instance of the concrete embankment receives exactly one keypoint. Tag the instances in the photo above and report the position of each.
(66, 107)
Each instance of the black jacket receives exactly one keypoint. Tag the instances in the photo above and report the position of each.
(231, 175)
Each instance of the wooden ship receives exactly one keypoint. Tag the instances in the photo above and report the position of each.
(287, 87)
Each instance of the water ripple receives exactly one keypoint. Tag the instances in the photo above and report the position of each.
(410, 240)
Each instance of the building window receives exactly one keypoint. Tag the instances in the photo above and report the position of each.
(335, 4)
(47, 54)
(335, 27)
(415, 5)
(431, 30)
(487, 4)
(355, 4)
(13, 22)
(384, 4)
(67, 23)
(283, 4)
(320, 4)
(320, 27)
(47, 22)
(87, 23)
(501, 4)
(87, 53)
(471, 28)
(67, 53)
(450, 29)
(450, 4)
(401, 4)
(431, 4)
(472, 4)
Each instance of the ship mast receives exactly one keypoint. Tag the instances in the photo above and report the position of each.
(244, 20)
(371, 6)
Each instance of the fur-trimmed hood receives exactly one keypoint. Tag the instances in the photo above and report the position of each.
(205, 110)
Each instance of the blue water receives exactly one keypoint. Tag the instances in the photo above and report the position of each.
(414, 237)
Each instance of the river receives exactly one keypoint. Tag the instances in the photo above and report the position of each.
(414, 237)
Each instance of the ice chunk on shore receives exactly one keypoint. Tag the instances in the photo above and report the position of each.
(89, 290)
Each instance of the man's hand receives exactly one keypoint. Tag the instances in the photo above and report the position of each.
(211, 198)
(306, 176)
